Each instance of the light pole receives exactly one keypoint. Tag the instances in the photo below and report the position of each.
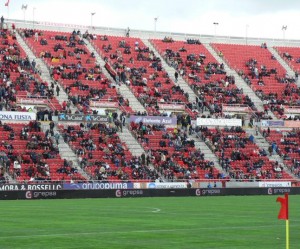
(284, 28)
(92, 14)
(155, 21)
(24, 8)
(216, 24)
(33, 10)
(247, 26)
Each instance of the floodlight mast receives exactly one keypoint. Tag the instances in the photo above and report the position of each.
(33, 10)
(24, 8)
(283, 28)
(247, 27)
(215, 24)
(92, 14)
(155, 22)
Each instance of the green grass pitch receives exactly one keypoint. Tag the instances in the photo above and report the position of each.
(230, 222)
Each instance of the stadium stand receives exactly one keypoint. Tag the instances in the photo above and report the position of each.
(72, 66)
(174, 155)
(263, 73)
(203, 73)
(102, 154)
(288, 147)
(131, 62)
(21, 77)
(292, 56)
(240, 156)
(29, 155)
(170, 153)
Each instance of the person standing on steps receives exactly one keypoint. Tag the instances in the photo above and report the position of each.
(2, 22)
(124, 119)
(57, 90)
(176, 76)
(51, 125)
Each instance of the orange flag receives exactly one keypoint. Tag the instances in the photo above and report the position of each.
(284, 210)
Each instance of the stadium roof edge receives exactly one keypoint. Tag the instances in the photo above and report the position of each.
(146, 34)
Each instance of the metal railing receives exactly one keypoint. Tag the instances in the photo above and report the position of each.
(149, 180)
(151, 34)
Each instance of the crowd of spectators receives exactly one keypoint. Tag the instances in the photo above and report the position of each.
(97, 146)
(285, 144)
(173, 152)
(265, 75)
(75, 69)
(102, 154)
(132, 63)
(240, 156)
(211, 96)
(208, 78)
(193, 41)
(31, 155)
(19, 75)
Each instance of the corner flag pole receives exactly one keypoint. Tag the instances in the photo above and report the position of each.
(287, 234)
(287, 225)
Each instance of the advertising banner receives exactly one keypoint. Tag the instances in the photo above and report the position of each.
(274, 184)
(166, 185)
(219, 122)
(228, 108)
(151, 192)
(129, 193)
(209, 191)
(41, 194)
(82, 118)
(171, 106)
(18, 187)
(33, 101)
(292, 110)
(97, 185)
(272, 123)
(17, 116)
(153, 120)
(291, 124)
(104, 104)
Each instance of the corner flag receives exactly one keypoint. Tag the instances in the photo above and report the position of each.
(284, 210)
(284, 215)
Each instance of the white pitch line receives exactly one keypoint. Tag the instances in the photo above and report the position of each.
(134, 231)
(156, 210)
(91, 233)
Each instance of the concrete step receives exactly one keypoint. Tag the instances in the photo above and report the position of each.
(132, 144)
(262, 143)
(45, 75)
(124, 90)
(208, 154)
(183, 85)
(281, 61)
(239, 82)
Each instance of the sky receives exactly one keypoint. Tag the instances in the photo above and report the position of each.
(251, 18)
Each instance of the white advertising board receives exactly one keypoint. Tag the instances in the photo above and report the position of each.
(219, 122)
(17, 116)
